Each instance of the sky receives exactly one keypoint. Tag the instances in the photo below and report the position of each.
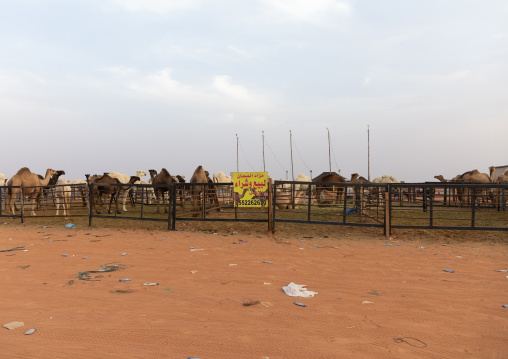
(411, 89)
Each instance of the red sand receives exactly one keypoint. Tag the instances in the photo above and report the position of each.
(201, 315)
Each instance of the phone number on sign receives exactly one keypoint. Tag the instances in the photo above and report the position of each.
(251, 202)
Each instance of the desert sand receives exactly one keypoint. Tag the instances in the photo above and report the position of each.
(376, 297)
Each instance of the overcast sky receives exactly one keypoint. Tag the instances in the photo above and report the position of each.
(90, 86)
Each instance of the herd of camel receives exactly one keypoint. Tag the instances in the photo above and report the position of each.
(110, 184)
(115, 185)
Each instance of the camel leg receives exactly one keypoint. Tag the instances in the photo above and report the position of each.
(124, 199)
(57, 205)
(33, 199)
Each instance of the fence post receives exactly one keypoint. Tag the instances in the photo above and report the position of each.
(90, 204)
(270, 208)
(387, 229)
(273, 198)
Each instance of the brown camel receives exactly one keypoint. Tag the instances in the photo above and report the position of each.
(358, 191)
(30, 184)
(163, 178)
(201, 176)
(500, 198)
(237, 196)
(454, 192)
(112, 191)
(330, 178)
(473, 176)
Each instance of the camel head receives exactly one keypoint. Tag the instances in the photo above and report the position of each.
(134, 179)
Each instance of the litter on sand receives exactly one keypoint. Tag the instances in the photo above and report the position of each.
(367, 302)
(28, 332)
(298, 290)
(150, 283)
(13, 325)
(448, 270)
(300, 304)
(196, 249)
(70, 225)
(125, 280)
(268, 262)
(501, 270)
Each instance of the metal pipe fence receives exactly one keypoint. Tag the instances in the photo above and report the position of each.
(388, 206)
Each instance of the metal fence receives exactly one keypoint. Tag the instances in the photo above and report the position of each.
(425, 205)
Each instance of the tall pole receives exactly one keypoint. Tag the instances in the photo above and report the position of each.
(291, 146)
(264, 169)
(368, 152)
(329, 151)
(237, 169)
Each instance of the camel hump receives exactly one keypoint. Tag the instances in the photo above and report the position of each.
(23, 170)
(165, 171)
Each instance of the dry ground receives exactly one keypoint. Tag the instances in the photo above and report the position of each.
(371, 291)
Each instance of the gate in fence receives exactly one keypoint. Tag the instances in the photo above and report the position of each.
(386, 206)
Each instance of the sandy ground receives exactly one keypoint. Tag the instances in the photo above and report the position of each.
(371, 293)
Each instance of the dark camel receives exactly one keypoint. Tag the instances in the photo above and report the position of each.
(162, 178)
(103, 185)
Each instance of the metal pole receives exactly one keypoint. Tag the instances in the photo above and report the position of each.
(368, 152)
(291, 147)
(329, 151)
(237, 170)
(264, 168)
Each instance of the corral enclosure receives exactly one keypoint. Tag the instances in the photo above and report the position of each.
(426, 206)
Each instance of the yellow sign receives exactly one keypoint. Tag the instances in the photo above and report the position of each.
(251, 189)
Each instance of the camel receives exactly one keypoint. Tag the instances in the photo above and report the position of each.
(237, 196)
(453, 191)
(181, 193)
(113, 191)
(30, 184)
(123, 178)
(356, 178)
(201, 176)
(50, 188)
(473, 176)
(63, 196)
(501, 197)
(358, 190)
(163, 178)
(321, 190)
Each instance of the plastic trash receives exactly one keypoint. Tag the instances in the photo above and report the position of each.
(13, 325)
(125, 280)
(501, 270)
(196, 249)
(70, 225)
(297, 290)
(150, 283)
(64, 255)
(268, 262)
(300, 304)
(124, 253)
(28, 332)
(505, 306)
(448, 270)
(352, 210)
